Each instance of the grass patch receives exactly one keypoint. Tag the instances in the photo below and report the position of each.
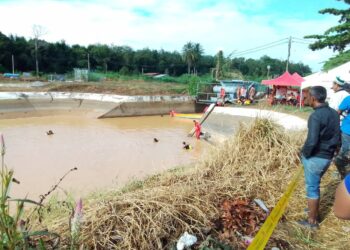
(303, 112)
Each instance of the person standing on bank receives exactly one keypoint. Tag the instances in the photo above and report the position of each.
(342, 160)
(339, 93)
(322, 140)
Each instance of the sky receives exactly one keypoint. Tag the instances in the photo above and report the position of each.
(228, 25)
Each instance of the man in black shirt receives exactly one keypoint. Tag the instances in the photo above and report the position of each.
(317, 153)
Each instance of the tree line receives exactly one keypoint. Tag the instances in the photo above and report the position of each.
(59, 57)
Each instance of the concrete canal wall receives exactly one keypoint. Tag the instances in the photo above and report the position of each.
(13, 104)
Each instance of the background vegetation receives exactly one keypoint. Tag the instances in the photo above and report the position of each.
(60, 57)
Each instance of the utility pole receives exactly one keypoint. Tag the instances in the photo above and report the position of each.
(268, 77)
(36, 58)
(289, 46)
(88, 62)
(38, 31)
(13, 64)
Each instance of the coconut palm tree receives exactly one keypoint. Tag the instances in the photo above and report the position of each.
(197, 54)
(187, 55)
(191, 54)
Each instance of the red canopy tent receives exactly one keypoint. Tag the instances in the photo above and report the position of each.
(286, 79)
(298, 77)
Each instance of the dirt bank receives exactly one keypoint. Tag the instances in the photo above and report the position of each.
(135, 87)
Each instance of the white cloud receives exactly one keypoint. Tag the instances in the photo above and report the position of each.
(173, 23)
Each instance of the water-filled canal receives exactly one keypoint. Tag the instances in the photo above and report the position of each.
(107, 152)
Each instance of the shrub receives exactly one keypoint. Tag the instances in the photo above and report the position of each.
(124, 70)
(192, 85)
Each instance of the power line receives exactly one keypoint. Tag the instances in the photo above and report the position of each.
(284, 40)
(257, 50)
(301, 42)
(271, 45)
(302, 39)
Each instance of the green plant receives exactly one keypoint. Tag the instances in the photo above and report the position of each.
(75, 224)
(13, 228)
(10, 236)
(94, 77)
(124, 71)
(192, 85)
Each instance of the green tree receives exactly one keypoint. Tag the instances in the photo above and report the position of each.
(337, 37)
(146, 60)
(59, 57)
(337, 60)
(101, 54)
(255, 69)
(191, 54)
(176, 65)
(206, 64)
(80, 56)
(187, 55)
(164, 62)
(124, 70)
(5, 54)
(117, 59)
(197, 55)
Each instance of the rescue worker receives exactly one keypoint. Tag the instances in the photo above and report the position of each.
(222, 97)
(197, 129)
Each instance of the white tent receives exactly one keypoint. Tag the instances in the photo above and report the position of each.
(326, 79)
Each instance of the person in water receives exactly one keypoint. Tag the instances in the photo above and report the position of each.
(186, 146)
(49, 132)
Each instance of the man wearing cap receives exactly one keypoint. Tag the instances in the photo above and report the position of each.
(339, 93)
(341, 103)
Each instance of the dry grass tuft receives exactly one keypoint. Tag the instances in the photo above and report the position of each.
(257, 162)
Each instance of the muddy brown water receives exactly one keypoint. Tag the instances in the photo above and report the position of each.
(107, 152)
